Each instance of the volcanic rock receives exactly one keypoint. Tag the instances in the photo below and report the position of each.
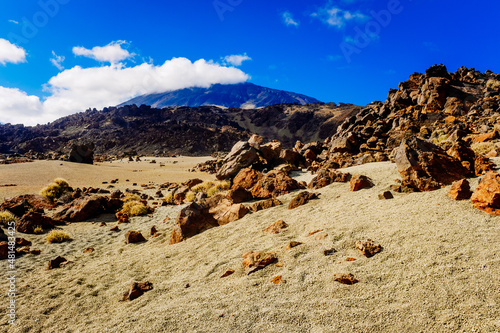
(133, 236)
(345, 278)
(253, 261)
(246, 178)
(265, 204)
(368, 248)
(385, 195)
(276, 227)
(56, 263)
(239, 195)
(487, 194)
(82, 154)
(359, 182)
(20, 205)
(241, 156)
(273, 184)
(136, 290)
(28, 222)
(325, 177)
(425, 166)
(460, 190)
(291, 245)
(301, 199)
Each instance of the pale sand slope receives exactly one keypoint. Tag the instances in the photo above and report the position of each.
(32, 177)
(439, 270)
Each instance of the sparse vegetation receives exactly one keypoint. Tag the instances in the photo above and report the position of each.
(211, 188)
(134, 208)
(55, 190)
(493, 84)
(190, 196)
(58, 236)
(6, 217)
(169, 198)
(38, 230)
(131, 197)
(483, 148)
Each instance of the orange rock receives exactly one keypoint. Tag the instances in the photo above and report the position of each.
(350, 259)
(133, 236)
(265, 204)
(359, 182)
(314, 232)
(487, 194)
(115, 228)
(368, 248)
(460, 190)
(345, 278)
(278, 279)
(227, 273)
(136, 290)
(276, 227)
(291, 245)
(88, 250)
(253, 261)
(485, 137)
(301, 199)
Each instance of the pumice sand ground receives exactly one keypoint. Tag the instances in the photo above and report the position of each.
(439, 270)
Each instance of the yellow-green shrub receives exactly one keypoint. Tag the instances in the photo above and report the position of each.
(211, 188)
(58, 236)
(6, 217)
(203, 187)
(134, 208)
(190, 196)
(169, 198)
(38, 229)
(131, 197)
(55, 190)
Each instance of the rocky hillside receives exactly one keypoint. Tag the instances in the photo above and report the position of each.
(175, 130)
(243, 95)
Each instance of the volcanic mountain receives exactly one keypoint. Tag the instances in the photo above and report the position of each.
(243, 95)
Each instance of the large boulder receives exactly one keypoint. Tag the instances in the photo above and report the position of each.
(265, 204)
(301, 199)
(241, 156)
(22, 204)
(29, 221)
(246, 179)
(205, 214)
(82, 154)
(88, 207)
(273, 184)
(426, 167)
(487, 194)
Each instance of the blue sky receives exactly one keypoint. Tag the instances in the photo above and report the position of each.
(349, 51)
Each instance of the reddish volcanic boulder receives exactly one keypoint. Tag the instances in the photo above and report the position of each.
(247, 178)
(301, 199)
(273, 184)
(327, 176)
(88, 207)
(359, 182)
(253, 261)
(482, 164)
(56, 263)
(426, 167)
(460, 190)
(28, 222)
(265, 204)
(241, 156)
(238, 195)
(205, 214)
(276, 227)
(20, 205)
(487, 194)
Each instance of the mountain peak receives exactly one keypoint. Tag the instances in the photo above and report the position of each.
(242, 95)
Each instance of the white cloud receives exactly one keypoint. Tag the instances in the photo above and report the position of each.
(17, 107)
(57, 61)
(289, 20)
(14, 21)
(11, 53)
(112, 53)
(235, 60)
(76, 89)
(336, 17)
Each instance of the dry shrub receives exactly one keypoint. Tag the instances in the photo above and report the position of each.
(6, 217)
(58, 236)
(55, 190)
(134, 208)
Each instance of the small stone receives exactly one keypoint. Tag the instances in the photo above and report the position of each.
(136, 290)
(345, 278)
(36, 251)
(115, 228)
(88, 250)
(385, 195)
(329, 252)
(368, 248)
(359, 182)
(278, 279)
(253, 261)
(227, 273)
(153, 230)
(103, 224)
(314, 232)
(279, 264)
(350, 259)
(133, 236)
(292, 244)
(276, 227)
(56, 263)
